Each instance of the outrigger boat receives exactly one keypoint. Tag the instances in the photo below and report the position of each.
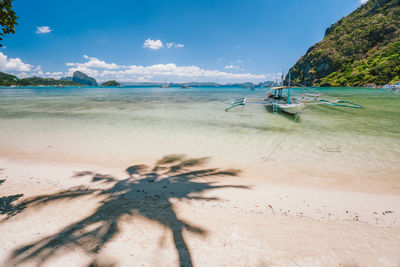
(393, 88)
(291, 100)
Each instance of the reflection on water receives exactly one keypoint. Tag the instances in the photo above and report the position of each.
(102, 123)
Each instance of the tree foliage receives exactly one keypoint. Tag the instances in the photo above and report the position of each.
(7, 18)
(8, 80)
(362, 48)
(111, 83)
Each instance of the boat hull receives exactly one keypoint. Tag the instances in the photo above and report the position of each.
(292, 109)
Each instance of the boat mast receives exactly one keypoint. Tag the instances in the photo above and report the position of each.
(288, 95)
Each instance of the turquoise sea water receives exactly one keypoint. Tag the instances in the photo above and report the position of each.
(117, 125)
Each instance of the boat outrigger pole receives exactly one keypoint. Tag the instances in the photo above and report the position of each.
(288, 94)
(237, 102)
(293, 102)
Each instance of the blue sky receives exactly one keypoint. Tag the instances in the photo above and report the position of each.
(166, 40)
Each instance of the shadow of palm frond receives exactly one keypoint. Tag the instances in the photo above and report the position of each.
(97, 263)
(96, 177)
(8, 207)
(14, 209)
(8, 204)
(147, 192)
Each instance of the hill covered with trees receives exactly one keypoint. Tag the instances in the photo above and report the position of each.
(112, 83)
(8, 80)
(360, 49)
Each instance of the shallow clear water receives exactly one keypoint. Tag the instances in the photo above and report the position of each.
(115, 126)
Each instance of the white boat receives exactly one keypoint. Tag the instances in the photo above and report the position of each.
(281, 98)
(292, 108)
(392, 86)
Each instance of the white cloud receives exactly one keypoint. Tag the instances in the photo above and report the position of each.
(54, 75)
(232, 67)
(38, 71)
(93, 63)
(239, 61)
(153, 44)
(178, 73)
(86, 70)
(169, 45)
(143, 79)
(13, 64)
(220, 59)
(102, 71)
(363, 1)
(43, 29)
(158, 72)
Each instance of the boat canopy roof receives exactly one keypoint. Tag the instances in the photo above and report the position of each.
(279, 88)
(283, 87)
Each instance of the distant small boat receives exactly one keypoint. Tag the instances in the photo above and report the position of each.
(394, 88)
(165, 86)
(250, 87)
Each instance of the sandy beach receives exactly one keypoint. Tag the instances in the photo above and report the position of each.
(187, 212)
(134, 184)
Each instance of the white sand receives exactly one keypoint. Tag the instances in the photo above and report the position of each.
(265, 224)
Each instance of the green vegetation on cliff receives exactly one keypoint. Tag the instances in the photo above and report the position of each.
(110, 83)
(8, 80)
(360, 49)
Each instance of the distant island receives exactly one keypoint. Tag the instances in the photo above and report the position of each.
(81, 79)
(78, 79)
(201, 84)
(362, 49)
(111, 83)
(12, 80)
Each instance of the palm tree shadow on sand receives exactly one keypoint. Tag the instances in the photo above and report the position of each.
(147, 192)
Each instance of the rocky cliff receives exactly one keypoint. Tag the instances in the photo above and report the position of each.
(82, 78)
(360, 49)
